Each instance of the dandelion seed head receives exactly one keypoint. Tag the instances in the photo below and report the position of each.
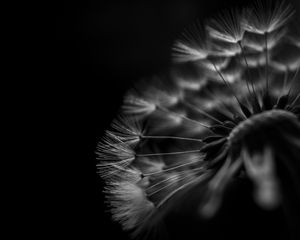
(227, 110)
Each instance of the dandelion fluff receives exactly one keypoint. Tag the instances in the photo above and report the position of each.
(228, 110)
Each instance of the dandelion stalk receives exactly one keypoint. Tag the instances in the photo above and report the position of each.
(145, 172)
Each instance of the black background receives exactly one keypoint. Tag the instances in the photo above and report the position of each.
(100, 49)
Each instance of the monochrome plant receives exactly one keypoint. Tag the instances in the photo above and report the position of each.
(228, 108)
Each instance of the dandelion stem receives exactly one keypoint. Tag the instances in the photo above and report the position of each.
(111, 170)
(293, 80)
(226, 83)
(225, 110)
(296, 99)
(286, 76)
(181, 176)
(166, 153)
(248, 78)
(196, 180)
(168, 185)
(160, 182)
(169, 169)
(267, 61)
(201, 112)
(124, 163)
(171, 137)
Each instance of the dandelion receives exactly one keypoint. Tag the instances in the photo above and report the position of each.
(127, 130)
(226, 27)
(228, 110)
(192, 45)
(138, 106)
(267, 16)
